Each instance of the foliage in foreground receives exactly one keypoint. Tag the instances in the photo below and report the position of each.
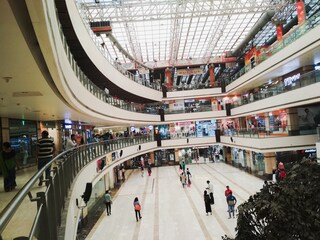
(289, 210)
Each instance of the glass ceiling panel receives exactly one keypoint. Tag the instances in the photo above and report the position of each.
(169, 30)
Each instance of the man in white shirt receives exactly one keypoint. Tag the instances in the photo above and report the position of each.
(209, 188)
(71, 142)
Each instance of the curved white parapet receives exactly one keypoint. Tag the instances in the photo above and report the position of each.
(195, 116)
(46, 27)
(104, 66)
(302, 96)
(89, 174)
(271, 144)
(197, 93)
(290, 56)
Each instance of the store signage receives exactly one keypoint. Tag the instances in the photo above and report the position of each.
(291, 80)
(190, 71)
(310, 151)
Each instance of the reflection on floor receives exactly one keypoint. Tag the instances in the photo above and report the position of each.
(172, 212)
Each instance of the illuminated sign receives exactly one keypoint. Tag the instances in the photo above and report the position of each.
(291, 80)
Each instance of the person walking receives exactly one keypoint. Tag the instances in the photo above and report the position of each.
(183, 179)
(142, 171)
(8, 164)
(183, 166)
(209, 188)
(108, 202)
(137, 208)
(149, 170)
(123, 171)
(207, 202)
(45, 152)
(231, 201)
(189, 177)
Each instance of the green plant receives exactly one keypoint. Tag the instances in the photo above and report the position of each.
(289, 210)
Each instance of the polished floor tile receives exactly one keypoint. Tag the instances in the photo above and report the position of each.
(171, 212)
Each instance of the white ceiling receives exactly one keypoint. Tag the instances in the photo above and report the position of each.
(25, 88)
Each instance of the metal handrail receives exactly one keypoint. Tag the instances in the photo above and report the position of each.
(69, 163)
(304, 80)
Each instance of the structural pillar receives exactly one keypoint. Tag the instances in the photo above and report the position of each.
(211, 71)
(152, 158)
(267, 123)
(168, 77)
(279, 31)
(5, 130)
(176, 155)
(293, 122)
(270, 163)
(301, 12)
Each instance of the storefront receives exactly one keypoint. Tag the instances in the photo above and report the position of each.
(288, 158)
(239, 157)
(163, 130)
(164, 157)
(23, 139)
(206, 128)
(292, 80)
(258, 163)
(182, 129)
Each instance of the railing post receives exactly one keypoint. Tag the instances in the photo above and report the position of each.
(52, 208)
(44, 229)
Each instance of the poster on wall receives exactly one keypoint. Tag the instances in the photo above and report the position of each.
(309, 117)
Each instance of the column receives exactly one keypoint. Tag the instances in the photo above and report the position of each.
(211, 71)
(152, 158)
(267, 123)
(111, 178)
(270, 163)
(279, 31)
(176, 155)
(293, 122)
(168, 77)
(5, 130)
(249, 161)
(227, 151)
(301, 12)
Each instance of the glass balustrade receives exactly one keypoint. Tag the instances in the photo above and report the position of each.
(304, 80)
(190, 110)
(42, 208)
(289, 38)
(272, 131)
(186, 87)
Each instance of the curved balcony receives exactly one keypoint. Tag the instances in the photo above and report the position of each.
(46, 205)
(289, 38)
(101, 64)
(292, 93)
(76, 167)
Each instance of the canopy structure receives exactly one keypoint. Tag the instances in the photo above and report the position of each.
(164, 32)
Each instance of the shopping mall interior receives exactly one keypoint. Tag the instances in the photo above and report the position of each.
(142, 90)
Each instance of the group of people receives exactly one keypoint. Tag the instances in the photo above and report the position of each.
(136, 205)
(209, 199)
(9, 163)
(142, 160)
(185, 175)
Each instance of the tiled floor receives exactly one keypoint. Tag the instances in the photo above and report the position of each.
(171, 212)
